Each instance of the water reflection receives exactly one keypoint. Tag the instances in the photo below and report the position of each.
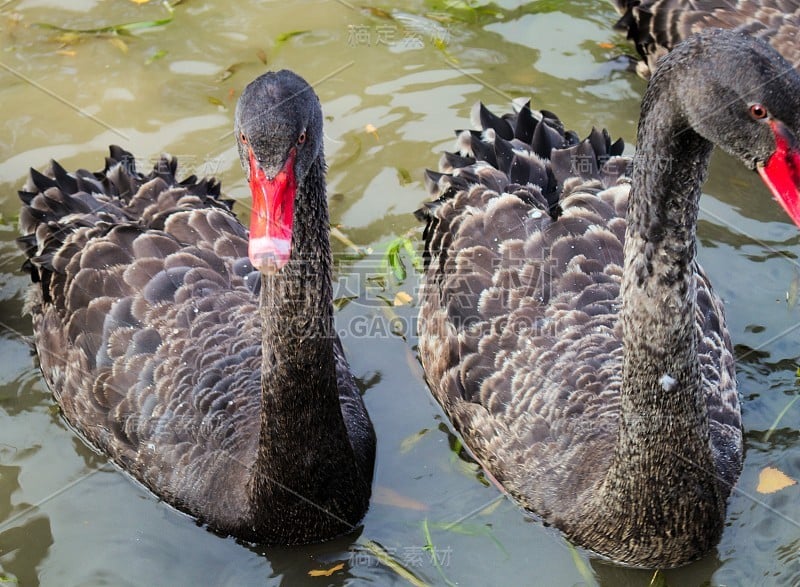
(169, 91)
(25, 536)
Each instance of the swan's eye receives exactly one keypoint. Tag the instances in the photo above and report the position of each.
(757, 111)
(243, 138)
(302, 138)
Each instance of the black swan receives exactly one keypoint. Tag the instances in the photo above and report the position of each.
(655, 26)
(150, 333)
(565, 326)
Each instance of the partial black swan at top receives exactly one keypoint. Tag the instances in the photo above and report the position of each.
(565, 326)
(658, 25)
(223, 388)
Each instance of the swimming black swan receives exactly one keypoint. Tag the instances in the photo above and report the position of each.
(150, 333)
(658, 25)
(581, 353)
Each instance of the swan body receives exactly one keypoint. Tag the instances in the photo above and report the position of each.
(168, 349)
(655, 26)
(565, 325)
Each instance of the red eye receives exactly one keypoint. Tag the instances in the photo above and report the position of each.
(757, 111)
(302, 138)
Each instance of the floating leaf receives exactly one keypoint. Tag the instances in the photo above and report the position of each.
(68, 38)
(489, 509)
(377, 281)
(229, 71)
(411, 441)
(67, 52)
(379, 13)
(389, 561)
(372, 130)
(658, 579)
(155, 56)
(215, 101)
(580, 564)
(432, 550)
(779, 418)
(401, 298)
(145, 24)
(325, 572)
(140, 1)
(605, 45)
(440, 17)
(283, 37)
(403, 176)
(342, 301)
(119, 29)
(262, 56)
(771, 480)
(388, 496)
(394, 262)
(345, 240)
(119, 44)
(440, 44)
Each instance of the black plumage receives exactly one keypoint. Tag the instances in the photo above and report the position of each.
(171, 353)
(655, 26)
(565, 325)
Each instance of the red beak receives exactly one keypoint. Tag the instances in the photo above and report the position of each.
(271, 219)
(781, 172)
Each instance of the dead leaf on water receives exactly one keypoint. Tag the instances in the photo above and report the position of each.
(771, 480)
(379, 13)
(402, 298)
(325, 572)
(372, 130)
(119, 44)
(229, 71)
(67, 52)
(140, 1)
(604, 45)
(68, 38)
(411, 441)
(262, 56)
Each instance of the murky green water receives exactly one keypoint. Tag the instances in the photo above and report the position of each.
(69, 518)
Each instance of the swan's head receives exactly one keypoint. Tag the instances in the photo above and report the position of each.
(278, 128)
(740, 94)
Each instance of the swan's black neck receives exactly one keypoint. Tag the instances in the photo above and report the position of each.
(297, 301)
(662, 395)
(305, 457)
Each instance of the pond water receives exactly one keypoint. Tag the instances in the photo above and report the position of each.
(394, 82)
